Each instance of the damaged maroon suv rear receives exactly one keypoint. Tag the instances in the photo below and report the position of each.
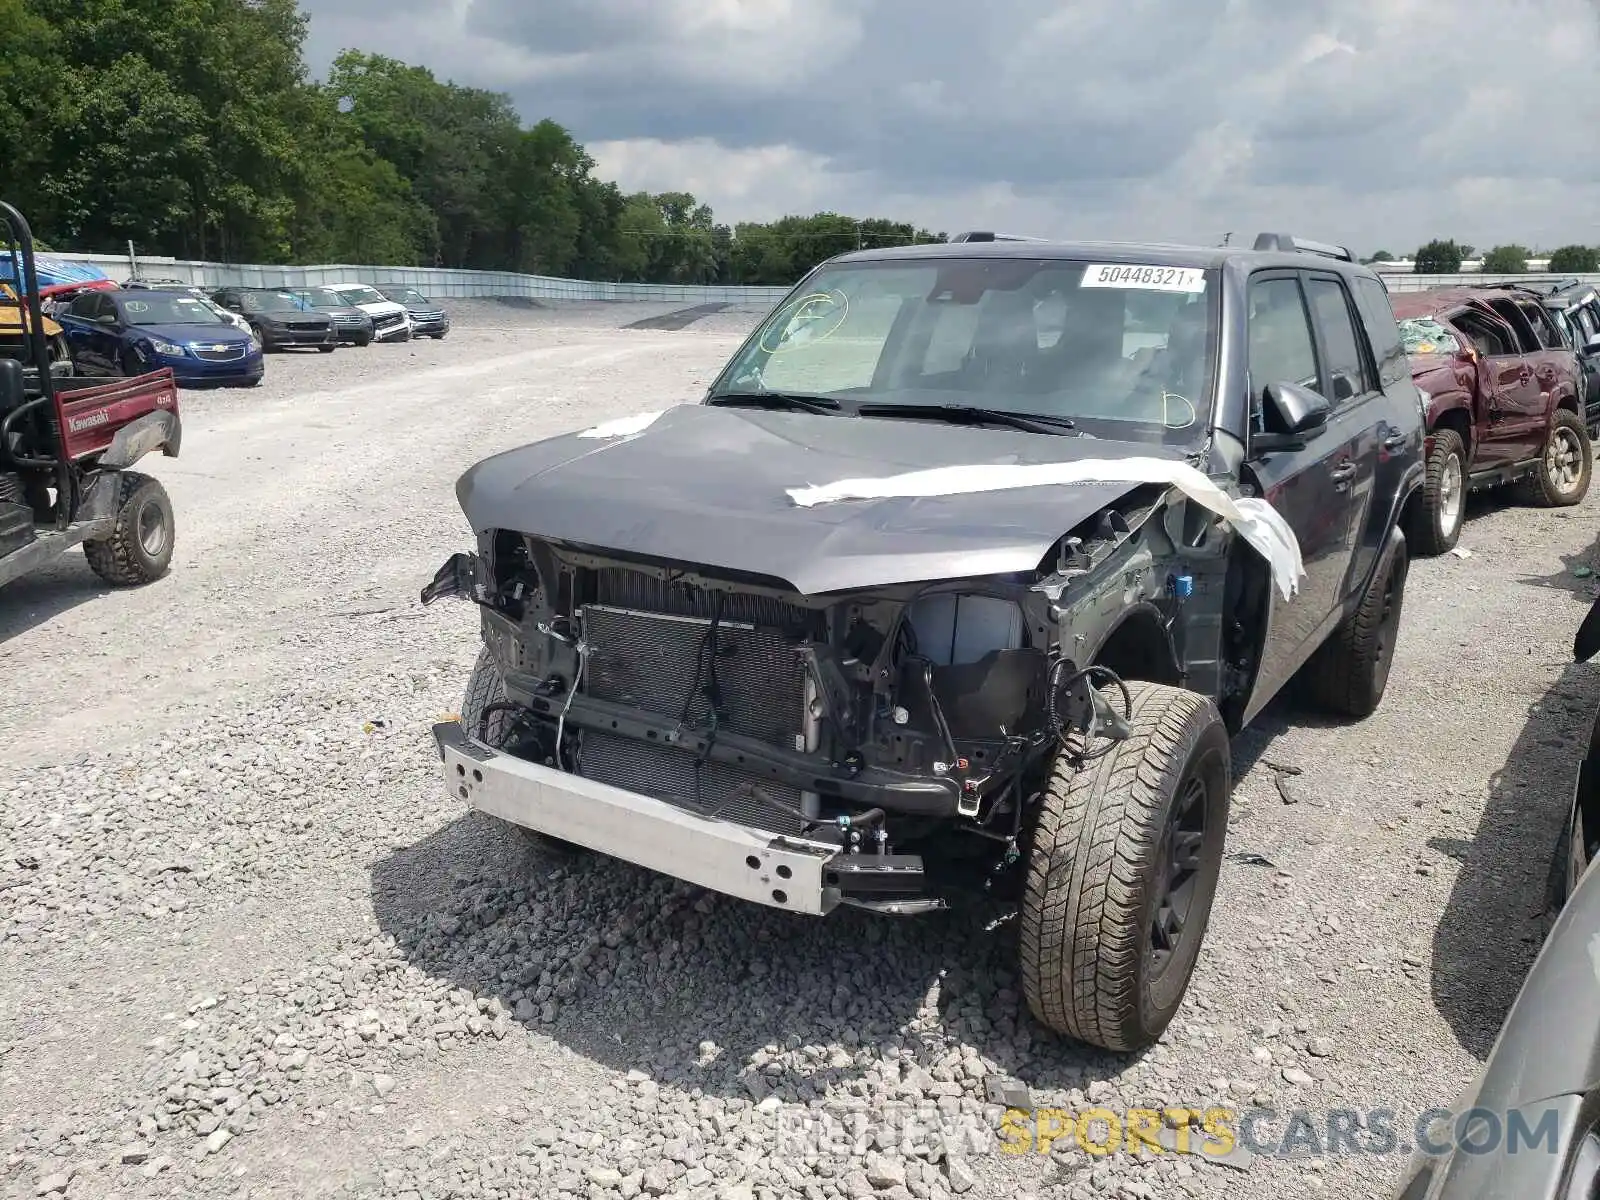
(955, 584)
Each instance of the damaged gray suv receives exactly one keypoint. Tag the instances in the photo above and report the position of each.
(956, 583)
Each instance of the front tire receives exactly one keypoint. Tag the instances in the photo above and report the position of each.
(485, 687)
(1349, 672)
(139, 548)
(1435, 525)
(326, 349)
(1122, 871)
(1561, 476)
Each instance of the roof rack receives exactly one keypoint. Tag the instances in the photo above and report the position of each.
(988, 235)
(1288, 243)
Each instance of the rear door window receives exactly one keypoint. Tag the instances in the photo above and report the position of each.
(1382, 331)
(1544, 325)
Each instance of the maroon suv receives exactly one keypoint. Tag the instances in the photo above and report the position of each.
(1501, 390)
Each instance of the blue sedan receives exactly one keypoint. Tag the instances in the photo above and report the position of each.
(117, 332)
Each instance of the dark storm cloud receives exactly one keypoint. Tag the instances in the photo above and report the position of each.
(1059, 100)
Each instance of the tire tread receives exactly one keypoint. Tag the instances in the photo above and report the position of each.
(1080, 926)
(118, 559)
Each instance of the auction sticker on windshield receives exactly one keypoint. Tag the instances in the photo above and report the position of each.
(1146, 278)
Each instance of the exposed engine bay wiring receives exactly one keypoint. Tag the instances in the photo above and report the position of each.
(1075, 742)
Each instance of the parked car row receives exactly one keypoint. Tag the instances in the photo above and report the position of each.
(1508, 377)
(222, 335)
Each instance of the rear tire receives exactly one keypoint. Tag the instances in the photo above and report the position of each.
(1349, 672)
(1435, 525)
(139, 548)
(485, 687)
(1122, 871)
(1561, 476)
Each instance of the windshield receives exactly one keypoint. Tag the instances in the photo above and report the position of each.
(1124, 351)
(405, 295)
(361, 295)
(324, 298)
(168, 308)
(272, 302)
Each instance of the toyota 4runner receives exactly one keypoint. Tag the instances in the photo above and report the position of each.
(956, 582)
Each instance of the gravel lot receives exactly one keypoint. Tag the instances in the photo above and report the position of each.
(248, 946)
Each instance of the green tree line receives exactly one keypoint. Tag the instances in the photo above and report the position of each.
(1443, 256)
(193, 129)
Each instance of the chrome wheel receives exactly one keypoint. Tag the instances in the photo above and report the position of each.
(1563, 460)
(151, 530)
(1452, 495)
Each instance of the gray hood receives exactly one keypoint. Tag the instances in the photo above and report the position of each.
(707, 486)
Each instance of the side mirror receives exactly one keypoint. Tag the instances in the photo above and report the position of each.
(1293, 412)
(13, 385)
(106, 319)
(1299, 410)
(1592, 346)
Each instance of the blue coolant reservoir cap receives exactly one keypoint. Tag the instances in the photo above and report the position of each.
(1183, 586)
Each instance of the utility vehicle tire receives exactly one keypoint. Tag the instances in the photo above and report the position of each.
(1561, 477)
(1349, 672)
(1121, 873)
(1440, 510)
(139, 547)
(133, 363)
(484, 688)
(326, 349)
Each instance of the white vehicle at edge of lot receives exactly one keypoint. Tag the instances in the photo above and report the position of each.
(390, 321)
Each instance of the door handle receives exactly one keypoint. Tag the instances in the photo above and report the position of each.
(1342, 475)
(1394, 441)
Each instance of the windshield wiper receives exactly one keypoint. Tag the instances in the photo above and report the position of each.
(974, 415)
(790, 400)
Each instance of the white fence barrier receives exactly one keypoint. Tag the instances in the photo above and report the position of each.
(434, 282)
(1419, 283)
(446, 283)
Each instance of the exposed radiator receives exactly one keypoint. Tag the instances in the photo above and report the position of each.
(620, 587)
(648, 660)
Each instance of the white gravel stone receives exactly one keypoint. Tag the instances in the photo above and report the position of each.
(225, 849)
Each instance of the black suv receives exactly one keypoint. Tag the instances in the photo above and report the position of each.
(1575, 305)
(279, 318)
(956, 582)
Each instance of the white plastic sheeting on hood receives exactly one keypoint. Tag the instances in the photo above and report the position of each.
(1261, 525)
(622, 426)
